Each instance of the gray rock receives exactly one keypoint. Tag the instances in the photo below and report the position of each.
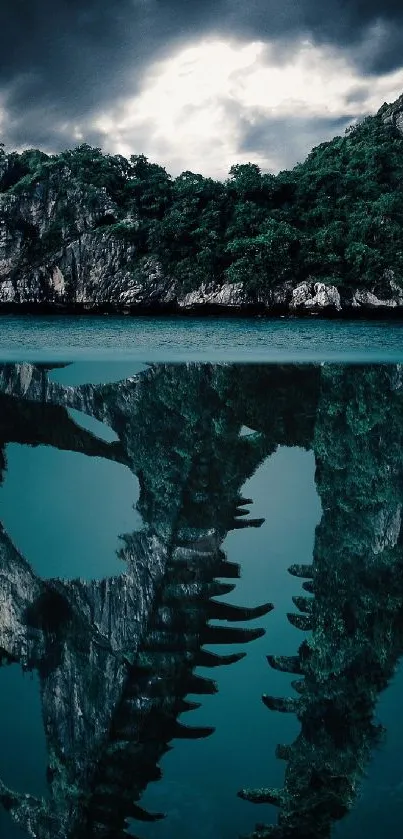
(368, 300)
(393, 114)
(227, 295)
(315, 297)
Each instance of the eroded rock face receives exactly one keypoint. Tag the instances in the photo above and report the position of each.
(319, 297)
(369, 300)
(19, 589)
(226, 295)
(316, 297)
(34, 224)
(393, 114)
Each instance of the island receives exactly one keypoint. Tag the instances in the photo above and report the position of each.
(87, 231)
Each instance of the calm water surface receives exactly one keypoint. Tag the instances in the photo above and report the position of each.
(165, 529)
(186, 339)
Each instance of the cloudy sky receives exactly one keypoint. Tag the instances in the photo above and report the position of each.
(195, 84)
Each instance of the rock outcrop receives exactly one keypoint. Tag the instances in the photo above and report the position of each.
(316, 297)
(393, 114)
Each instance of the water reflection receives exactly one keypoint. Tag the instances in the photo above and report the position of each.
(355, 611)
(116, 657)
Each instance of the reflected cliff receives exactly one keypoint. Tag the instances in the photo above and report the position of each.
(354, 614)
(116, 657)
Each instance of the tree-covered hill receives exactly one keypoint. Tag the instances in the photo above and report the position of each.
(336, 219)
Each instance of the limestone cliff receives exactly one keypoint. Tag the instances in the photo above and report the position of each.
(84, 231)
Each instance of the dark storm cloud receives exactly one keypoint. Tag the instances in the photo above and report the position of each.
(60, 59)
(288, 139)
(63, 60)
(79, 48)
(342, 23)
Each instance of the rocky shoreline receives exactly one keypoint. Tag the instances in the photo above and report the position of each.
(205, 312)
(305, 300)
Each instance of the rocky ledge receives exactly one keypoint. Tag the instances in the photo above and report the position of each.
(103, 284)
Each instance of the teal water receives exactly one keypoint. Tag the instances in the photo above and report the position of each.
(72, 509)
(23, 756)
(313, 455)
(103, 337)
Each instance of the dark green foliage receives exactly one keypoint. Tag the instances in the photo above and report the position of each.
(337, 217)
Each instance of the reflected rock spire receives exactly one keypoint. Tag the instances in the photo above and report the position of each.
(352, 608)
(116, 658)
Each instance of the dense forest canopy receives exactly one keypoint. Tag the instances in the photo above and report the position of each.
(336, 217)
